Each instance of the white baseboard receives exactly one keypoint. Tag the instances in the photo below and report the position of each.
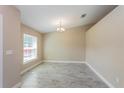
(29, 68)
(18, 85)
(100, 76)
(61, 61)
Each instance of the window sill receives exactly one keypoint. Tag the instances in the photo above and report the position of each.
(29, 61)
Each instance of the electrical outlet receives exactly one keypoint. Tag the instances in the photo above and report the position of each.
(117, 80)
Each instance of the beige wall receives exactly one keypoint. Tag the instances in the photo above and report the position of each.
(105, 47)
(27, 30)
(1, 51)
(11, 39)
(68, 45)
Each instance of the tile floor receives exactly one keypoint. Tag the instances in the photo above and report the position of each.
(62, 75)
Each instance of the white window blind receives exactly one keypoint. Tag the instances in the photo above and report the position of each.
(29, 47)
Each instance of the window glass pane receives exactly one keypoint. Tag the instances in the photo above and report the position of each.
(30, 47)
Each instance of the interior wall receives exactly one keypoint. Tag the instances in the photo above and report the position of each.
(105, 47)
(65, 46)
(11, 45)
(27, 30)
(1, 51)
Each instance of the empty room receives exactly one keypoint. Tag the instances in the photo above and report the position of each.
(61, 46)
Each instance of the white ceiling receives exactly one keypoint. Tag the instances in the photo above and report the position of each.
(44, 18)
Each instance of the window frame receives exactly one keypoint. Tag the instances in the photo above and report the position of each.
(31, 59)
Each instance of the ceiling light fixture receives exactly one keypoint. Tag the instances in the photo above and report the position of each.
(60, 28)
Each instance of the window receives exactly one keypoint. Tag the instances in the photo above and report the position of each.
(30, 47)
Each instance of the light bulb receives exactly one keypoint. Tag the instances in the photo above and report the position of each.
(58, 29)
(62, 29)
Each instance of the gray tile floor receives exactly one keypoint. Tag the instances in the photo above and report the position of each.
(61, 75)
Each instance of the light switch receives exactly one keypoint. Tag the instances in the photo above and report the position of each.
(9, 52)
